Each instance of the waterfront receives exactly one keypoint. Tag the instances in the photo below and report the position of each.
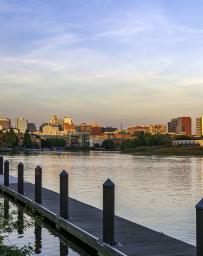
(158, 192)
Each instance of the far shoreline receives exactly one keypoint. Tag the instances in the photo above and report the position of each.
(139, 151)
(165, 151)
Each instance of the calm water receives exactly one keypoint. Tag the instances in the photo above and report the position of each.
(44, 239)
(158, 192)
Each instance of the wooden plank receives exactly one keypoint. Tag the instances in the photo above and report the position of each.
(133, 239)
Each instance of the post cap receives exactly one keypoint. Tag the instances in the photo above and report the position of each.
(38, 169)
(20, 164)
(108, 183)
(199, 206)
(63, 173)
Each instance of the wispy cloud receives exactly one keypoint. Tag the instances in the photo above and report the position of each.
(121, 62)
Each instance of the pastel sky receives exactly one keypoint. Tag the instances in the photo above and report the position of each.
(111, 61)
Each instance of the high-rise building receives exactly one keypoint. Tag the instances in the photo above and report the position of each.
(21, 124)
(5, 123)
(199, 126)
(180, 126)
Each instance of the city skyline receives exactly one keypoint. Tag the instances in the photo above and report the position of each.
(112, 61)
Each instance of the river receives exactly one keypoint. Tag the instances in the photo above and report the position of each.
(157, 192)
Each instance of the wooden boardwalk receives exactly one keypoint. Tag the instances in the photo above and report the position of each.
(86, 225)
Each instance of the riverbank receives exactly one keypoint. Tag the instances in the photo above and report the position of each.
(175, 151)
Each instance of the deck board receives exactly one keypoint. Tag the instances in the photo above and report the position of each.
(134, 239)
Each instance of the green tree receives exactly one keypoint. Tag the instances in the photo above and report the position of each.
(27, 140)
(10, 139)
(108, 144)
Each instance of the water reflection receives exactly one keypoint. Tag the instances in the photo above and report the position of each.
(38, 238)
(43, 238)
(20, 224)
(63, 249)
(6, 209)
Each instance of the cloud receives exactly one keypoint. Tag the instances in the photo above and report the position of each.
(123, 65)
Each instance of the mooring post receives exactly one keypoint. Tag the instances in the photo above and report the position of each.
(21, 178)
(1, 165)
(64, 207)
(108, 212)
(199, 228)
(38, 185)
(6, 173)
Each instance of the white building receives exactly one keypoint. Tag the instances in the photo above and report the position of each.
(21, 124)
(199, 126)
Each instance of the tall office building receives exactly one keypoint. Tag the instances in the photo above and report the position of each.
(180, 126)
(5, 123)
(199, 126)
(21, 124)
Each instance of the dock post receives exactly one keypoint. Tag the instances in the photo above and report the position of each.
(38, 185)
(199, 228)
(6, 173)
(21, 178)
(1, 165)
(108, 212)
(64, 207)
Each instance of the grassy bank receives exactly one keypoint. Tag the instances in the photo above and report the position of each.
(177, 151)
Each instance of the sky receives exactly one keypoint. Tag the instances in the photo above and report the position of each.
(111, 61)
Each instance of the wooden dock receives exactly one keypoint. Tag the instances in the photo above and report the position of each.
(86, 224)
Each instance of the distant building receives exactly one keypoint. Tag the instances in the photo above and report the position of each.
(55, 121)
(50, 129)
(199, 126)
(78, 140)
(158, 129)
(31, 127)
(188, 143)
(92, 128)
(68, 125)
(21, 124)
(133, 130)
(180, 126)
(5, 123)
(109, 129)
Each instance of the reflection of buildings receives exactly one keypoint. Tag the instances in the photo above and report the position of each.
(199, 126)
(5, 123)
(180, 126)
(21, 124)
